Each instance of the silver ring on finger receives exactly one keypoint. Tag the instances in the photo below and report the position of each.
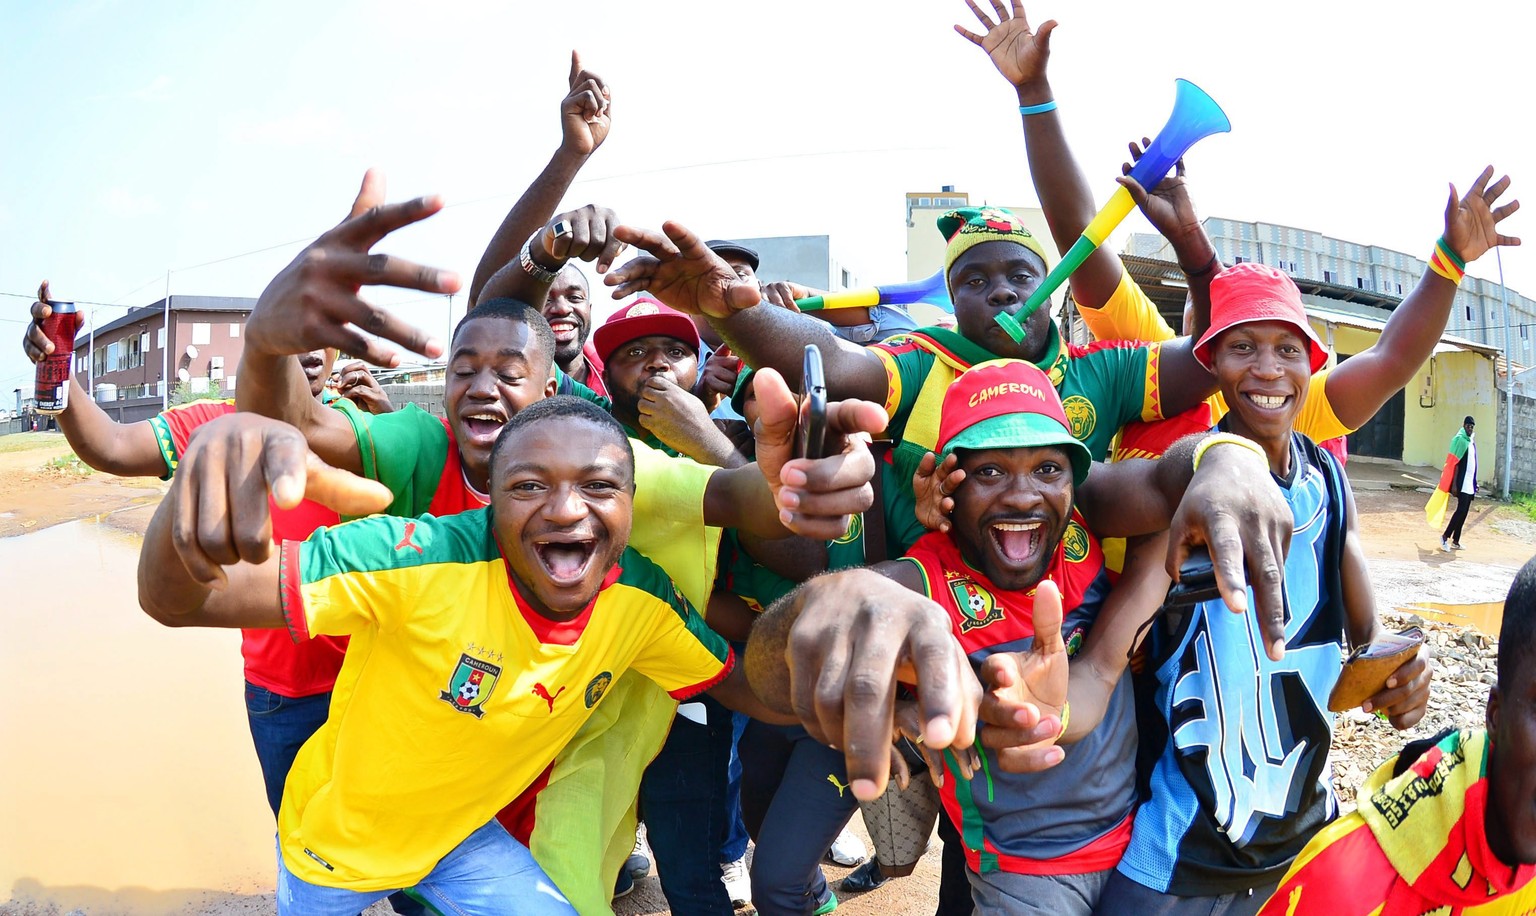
(562, 229)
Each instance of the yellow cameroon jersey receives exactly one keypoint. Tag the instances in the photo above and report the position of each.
(455, 695)
(1130, 315)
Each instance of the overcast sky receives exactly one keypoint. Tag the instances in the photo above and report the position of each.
(148, 136)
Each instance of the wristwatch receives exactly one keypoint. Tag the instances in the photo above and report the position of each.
(533, 268)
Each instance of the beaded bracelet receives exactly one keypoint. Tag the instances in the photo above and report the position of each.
(1446, 263)
(1042, 108)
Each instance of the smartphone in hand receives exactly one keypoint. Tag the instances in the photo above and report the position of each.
(811, 430)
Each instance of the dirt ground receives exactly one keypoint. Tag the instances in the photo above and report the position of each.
(1409, 572)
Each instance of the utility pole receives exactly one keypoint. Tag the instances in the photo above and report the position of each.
(1509, 381)
(165, 351)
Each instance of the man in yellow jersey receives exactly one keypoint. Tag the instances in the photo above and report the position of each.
(481, 643)
(579, 817)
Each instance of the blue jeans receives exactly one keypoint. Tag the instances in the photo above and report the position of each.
(735, 828)
(488, 874)
(795, 800)
(682, 799)
(279, 727)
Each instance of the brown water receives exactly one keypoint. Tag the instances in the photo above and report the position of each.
(1487, 616)
(127, 778)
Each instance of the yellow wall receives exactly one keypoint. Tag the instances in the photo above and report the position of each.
(1462, 386)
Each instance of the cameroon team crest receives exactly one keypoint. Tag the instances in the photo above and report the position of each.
(1074, 543)
(855, 528)
(596, 688)
(471, 685)
(976, 604)
(1080, 415)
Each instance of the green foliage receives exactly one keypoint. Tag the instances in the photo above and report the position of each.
(1526, 502)
(69, 466)
(183, 392)
(22, 442)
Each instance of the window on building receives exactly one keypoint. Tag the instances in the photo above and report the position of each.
(202, 333)
(160, 338)
(1360, 283)
(216, 367)
(847, 280)
(1399, 289)
(1327, 276)
(234, 329)
(133, 356)
(114, 358)
(1239, 260)
(144, 343)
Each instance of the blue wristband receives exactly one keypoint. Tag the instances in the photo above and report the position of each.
(1042, 108)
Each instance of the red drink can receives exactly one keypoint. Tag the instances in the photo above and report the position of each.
(52, 388)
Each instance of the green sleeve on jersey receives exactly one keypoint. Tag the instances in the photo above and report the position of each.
(384, 542)
(1103, 391)
(912, 365)
(564, 384)
(165, 443)
(404, 450)
(637, 571)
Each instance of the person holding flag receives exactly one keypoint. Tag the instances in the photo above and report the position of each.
(1458, 477)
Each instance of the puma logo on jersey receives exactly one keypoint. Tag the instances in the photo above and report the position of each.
(838, 785)
(405, 541)
(542, 692)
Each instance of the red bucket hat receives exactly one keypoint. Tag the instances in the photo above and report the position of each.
(1007, 403)
(645, 317)
(1255, 292)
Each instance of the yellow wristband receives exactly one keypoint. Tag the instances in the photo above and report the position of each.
(1066, 716)
(1210, 442)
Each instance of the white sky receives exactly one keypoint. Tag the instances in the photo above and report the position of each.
(151, 135)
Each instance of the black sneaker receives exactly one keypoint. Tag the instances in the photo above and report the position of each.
(865, 878)
(624, 885)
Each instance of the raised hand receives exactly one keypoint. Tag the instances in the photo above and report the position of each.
(1471, 224)
(1019, 54)
(219, 496)
(682, 272)
(1026, 693)
(314, 302)
(360, 387)
(34, 342)
(585, 113)
(718, 378)
(934, 485)
(816, 498)
(1168, 208)
(583, 234)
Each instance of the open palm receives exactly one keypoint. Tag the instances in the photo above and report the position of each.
(1471, 224)
(1019, 54)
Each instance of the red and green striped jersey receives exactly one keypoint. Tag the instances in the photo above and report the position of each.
(1073, 818)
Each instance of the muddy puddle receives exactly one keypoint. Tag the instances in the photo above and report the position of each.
(127, 779)
(1486, 616)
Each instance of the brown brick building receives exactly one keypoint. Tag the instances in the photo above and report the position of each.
(125, 362)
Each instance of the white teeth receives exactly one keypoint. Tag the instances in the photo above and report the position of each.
(1016, 526)
(483, 416)
(1264, 400)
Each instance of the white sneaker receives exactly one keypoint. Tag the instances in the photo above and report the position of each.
(639, 861)
(847, 850)
(1445, 545)
(738, 883)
